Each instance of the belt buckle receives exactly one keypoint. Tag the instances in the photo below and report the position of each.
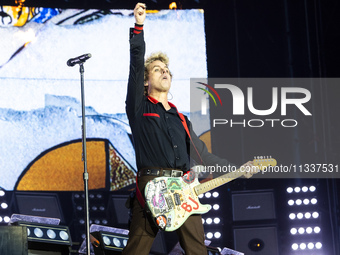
(174, 173)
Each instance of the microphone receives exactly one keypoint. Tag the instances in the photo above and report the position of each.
(78, 60)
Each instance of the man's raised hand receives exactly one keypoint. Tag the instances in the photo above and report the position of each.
(140, 13)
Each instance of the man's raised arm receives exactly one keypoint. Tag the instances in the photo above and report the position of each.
(137, 51)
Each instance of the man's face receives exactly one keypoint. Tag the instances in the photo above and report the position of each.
(159, 77)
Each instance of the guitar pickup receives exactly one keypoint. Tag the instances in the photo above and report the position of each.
(177, 198)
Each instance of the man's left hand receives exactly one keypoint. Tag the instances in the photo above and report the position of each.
(249, 169)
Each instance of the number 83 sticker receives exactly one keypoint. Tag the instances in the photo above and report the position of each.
(188, 207)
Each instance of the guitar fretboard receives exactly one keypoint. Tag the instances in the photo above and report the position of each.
(219, 181)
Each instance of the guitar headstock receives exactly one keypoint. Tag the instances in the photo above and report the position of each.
(262, 162)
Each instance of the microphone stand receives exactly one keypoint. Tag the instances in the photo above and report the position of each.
(84, 158)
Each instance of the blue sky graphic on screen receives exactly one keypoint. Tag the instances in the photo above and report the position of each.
(40, 104)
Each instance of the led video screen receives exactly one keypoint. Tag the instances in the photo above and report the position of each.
(40, 99)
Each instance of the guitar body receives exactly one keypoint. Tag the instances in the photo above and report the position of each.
(171, 200)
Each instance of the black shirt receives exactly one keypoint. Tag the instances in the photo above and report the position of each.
(160, 139)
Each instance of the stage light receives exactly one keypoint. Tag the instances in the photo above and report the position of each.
(208, 221)
(203, 221)
(298, 202)
(292, 216)
(208, 195)
(293, 231)
(111, 241)
(301, 231)
(43, 237)
(301, 203)
(310, 246)
(209, 235)
(308, 215)
(38, 232)
(5, 219)
(299, 216)
(97, 207)
(200, 196)
(295, 246)
(303, 246)
(297, 189)
(318, 245)
(217, 235)
(317, 230)
(216, 206)
(217, 220)
(44, 233)
(4, 208)
(215, 194)
(76, 195)
(309, 230)
(51, 234)
(315, 215)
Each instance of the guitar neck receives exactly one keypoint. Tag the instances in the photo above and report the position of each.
(219, 181)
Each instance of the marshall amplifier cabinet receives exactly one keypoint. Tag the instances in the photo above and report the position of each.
(261, 240)
(39, 204)
(253, 205)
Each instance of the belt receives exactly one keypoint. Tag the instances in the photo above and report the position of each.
(160, 172)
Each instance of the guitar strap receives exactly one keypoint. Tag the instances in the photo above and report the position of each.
(188, 133)
(138, 192)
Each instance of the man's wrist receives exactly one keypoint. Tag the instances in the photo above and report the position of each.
(138, 28)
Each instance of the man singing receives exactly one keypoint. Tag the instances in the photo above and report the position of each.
(160, 140)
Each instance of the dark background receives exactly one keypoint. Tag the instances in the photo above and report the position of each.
(282, 39)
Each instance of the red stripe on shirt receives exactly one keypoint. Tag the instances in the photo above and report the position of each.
(151, 114)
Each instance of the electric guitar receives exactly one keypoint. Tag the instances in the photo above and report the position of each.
(171, 200)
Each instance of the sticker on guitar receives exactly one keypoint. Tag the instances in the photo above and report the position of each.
(187, 207)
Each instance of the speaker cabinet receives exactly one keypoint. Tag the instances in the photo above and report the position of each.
(253, 205)
(257, 240)
(39, 204)
(13, 240)
(118, 212)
